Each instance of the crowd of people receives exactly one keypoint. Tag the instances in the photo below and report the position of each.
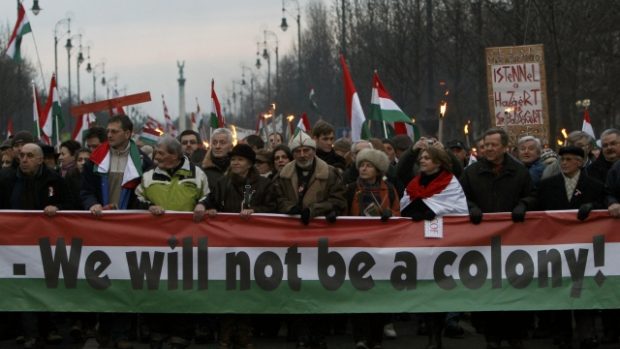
(314, 175)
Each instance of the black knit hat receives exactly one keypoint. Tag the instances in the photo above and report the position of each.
(245, 151)
(572, 150)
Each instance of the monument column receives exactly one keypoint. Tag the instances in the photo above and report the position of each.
(181, 80)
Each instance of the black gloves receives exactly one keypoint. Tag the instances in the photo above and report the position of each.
(584, 211)
(330, 217)
(518, 213)
(294, 210)
(475, 215)
(305, 216)
(385, 215)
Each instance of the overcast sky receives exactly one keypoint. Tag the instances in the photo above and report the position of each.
(141, 41)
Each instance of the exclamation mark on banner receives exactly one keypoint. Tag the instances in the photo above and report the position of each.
(598, 247)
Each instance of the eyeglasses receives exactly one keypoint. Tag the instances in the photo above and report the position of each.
(186, 142)
(27, 155)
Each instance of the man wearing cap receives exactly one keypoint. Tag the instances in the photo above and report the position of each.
(460, 151)
(308, 185)
(20, 138)
(572, 188)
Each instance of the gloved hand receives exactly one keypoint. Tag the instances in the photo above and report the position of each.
(584, 211)
(518, 213)
(305, 216)
(330, 217)
(385, 215)
(475, 215)
(294, 210)
(429, 215)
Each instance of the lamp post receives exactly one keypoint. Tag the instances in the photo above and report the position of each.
(93, 69)
(65, 21)
(79, 61)
(244, 83)
(284, 27)
(265, 53)
(266, 56)
(69, 46)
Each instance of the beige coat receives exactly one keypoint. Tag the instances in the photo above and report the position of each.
(325, 193)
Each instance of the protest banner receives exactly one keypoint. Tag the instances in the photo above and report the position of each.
(517, 91)
(135, 262)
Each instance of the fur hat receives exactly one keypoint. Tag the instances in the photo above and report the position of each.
(245, 151)
(572, 150)
(376, 157)
(301, 140)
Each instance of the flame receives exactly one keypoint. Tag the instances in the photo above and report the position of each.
(442, 108)
(508, 110)
(290, 118)
(234, 134)
(267, 116)
(206, 144)
(160, 131)
(560, 142)
(466, 129)
(564, 133)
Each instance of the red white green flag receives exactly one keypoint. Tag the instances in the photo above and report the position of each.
(51, 121)
(82, 124)
(384, 109)
(217, 119)
(587, 124)
(22, 27)
(302, 125)
(36, 111)
(355, 113)
(170, 129)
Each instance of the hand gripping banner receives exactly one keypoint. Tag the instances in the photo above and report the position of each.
(135, 262)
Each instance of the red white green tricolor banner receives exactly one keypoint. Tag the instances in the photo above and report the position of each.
(134, 262)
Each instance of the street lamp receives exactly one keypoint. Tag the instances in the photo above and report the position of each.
(258, 55)
(266, 56)
(69, 46)
(35, 7)
(93, 70)
(65, 21)
(284, 27)
(244, 83)
(79, 61)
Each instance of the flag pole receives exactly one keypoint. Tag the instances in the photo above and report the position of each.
(385, 133)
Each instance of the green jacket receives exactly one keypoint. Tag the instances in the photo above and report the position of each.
(180, 191)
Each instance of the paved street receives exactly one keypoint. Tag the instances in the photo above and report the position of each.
(407, 339)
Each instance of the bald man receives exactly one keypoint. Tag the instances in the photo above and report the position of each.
(32, 186)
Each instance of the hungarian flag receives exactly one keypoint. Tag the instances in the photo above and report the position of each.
(302, 125)
(131, 176)
(9, 128)
(149, 135)
(587, 124)
(217, 119)
(170, 129)
(51, 121)
(22, 26)
(355, 113)
(154, 124)
(260, 124)
(82, 124)
(36, 111)
(382, 106)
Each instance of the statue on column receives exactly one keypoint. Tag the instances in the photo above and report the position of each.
(181, 66)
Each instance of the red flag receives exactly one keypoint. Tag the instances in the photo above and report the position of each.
(9, 128)
(217, 119)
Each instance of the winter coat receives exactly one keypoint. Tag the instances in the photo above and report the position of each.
(599, 168)
(227, 195)
(387, 197)
(497, 193)
(212, 170)
(552, 193)
(90, 188)
(180, 191)
(612, 185)
(325, 192)
(44, 188)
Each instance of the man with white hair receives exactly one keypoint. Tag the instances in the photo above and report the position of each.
(529, 150)
(216, 161)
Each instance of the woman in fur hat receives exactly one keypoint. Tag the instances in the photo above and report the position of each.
(371, 195)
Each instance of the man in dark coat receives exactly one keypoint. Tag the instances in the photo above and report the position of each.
(499, 183)
(216, 162)
(610, 144)
(572, 188)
